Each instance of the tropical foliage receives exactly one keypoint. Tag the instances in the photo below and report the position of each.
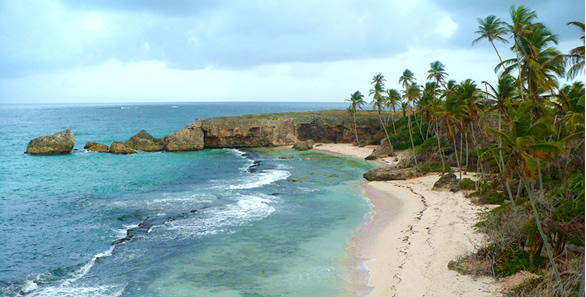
(524, 136)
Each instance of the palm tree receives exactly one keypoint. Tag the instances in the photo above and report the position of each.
(526, 146)
(521, 18)
(437, 72)
(407, 79)
(491, 28)
(502, 96)
(380, 79)
(539, 64)
(404, 107)
(393, 100)
(412, 94)
(576, 57)
(378, 102)
(356, 101)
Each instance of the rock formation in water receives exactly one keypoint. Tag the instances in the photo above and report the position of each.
(96, 147)
(58, 143)
(267, 130)
(190, 138)
(121, 148)
(143, 141)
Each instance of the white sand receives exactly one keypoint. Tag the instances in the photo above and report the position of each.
(413, 234)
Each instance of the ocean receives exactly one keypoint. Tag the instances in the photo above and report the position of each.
(205, 223)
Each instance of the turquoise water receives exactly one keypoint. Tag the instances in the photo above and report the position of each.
(204, 223)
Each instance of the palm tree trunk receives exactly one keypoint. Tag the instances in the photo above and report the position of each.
(412, 144)
(355, 131)
(519, 82)
(439, 147)
(420, 132)
(386, 133)
(466, 166)
(393, 121)
(539, 228)
(456, 153)
(497, 53)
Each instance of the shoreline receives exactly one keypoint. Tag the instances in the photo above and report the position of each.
(413, 232)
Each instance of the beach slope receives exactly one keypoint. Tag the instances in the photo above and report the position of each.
(412, 235)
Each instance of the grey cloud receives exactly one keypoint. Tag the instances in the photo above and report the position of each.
(158, 7)
(47, 36)
(554, 14)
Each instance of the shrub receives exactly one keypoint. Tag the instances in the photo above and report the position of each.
(467, 184)
(435, 167)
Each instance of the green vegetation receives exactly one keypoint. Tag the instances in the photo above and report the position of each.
(525, 138)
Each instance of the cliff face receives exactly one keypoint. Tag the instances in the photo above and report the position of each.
(232, 132)
(286, 129)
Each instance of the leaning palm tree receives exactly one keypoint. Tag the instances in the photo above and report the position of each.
(491, 28)
(378, 102)
(356, 102)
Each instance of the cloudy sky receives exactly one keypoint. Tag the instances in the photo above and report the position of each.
(62, 51)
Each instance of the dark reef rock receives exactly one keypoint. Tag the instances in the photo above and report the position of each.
(121, 148)
(96, 147)
(384, 174)
(143, 141)
(58, 143)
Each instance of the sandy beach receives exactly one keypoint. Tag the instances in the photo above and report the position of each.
(412, 235)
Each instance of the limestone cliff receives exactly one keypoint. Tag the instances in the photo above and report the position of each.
(286, 129)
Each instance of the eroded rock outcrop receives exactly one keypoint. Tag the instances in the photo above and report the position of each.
(384, 174)
(190, 138)
(143, 141)
(58, 143)
(446, 182)
(121, 148)
(304, 145)
(383, 151)
(96, 147)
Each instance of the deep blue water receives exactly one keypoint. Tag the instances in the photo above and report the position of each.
(212, 227)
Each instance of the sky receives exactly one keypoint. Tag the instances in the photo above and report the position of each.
(94, 51)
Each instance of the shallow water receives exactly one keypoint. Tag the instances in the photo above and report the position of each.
(210, 226)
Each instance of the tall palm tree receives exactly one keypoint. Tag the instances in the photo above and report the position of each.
(393, 100)
(576, 57)
(412, 94)
(378, 102)
(407, 79)
(502, 97)
(356, 102)
(491, 28)
(437, 72)
(521, 23)
(539, 63)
